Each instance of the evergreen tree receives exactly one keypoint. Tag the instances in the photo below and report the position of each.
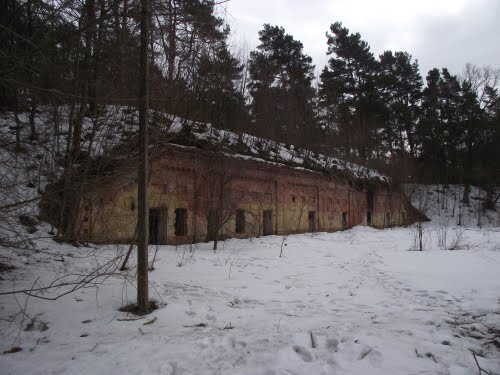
(348, 97)
(400, 87)
(281, 78)
(215, 89)
(453, 128)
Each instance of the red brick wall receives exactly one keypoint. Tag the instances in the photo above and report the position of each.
(191, 179)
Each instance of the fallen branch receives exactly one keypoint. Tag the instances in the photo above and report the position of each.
(150, 321)
(481, 370)
(432, 356)
(129, 319)
(15, 349)
(479, 316)
(365, 353)
(95, 277)
(313, 343)
(131, 247)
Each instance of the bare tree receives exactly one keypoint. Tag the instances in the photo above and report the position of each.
(481, 78)
(419, 196)
(294, 225)
(222, 199)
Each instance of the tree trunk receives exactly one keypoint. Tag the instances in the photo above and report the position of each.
(171, 43)
(465, 198)
(142, 181)
(489, 202)
(69, 139)
(123, 43)
(18, 123)
(34, 134)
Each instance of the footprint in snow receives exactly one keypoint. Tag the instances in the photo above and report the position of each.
(332, 344)
(210, 317)
(303, 353)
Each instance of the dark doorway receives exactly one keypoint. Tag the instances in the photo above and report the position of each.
(240, 221)
(312, 221)
(369, 218)
(157, 226)
(267, 227)
(369, 200)
(212, 224)
(344, 220)
(180, 222)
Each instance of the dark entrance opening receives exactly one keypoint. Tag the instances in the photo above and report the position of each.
(212, 224)
(240, 221)
(312, 221)
(369, 200)
(369, 218)
(180, 222)
(157, 226)
(267, 227)
(344, 220)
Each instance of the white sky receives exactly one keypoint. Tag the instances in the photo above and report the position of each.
(439, 33)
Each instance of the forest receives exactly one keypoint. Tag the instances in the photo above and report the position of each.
(70, 61)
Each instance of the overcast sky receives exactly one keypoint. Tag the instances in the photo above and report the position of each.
(439, 33)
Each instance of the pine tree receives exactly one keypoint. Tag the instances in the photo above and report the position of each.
(429, 131)
(400, 86)
(215, 93)
(347, 90)
(281, 78)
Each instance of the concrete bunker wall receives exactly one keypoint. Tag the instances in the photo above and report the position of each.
(190, 190)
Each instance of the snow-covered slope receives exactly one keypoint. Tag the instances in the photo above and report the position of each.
(444, 205)
(115, 124)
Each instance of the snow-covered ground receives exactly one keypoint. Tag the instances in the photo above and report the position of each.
(353, 302)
